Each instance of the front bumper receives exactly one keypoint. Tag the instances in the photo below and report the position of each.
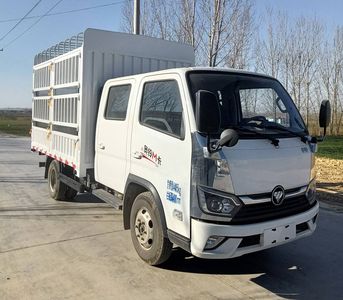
(243, 239)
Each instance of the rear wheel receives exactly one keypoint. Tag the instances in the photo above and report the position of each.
(146, 231)
(70, 193)
(57, 189)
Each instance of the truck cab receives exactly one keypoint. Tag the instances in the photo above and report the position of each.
(216, 161)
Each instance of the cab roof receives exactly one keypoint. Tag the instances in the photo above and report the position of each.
(183, 71)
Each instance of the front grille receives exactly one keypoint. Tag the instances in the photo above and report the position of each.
(269, 194)
(267, 211)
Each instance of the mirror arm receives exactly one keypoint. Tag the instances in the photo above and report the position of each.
(322, 137)
(209, 146)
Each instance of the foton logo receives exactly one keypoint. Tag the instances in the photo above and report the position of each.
(278, 195)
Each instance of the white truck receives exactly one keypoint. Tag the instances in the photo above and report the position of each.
(216, 161)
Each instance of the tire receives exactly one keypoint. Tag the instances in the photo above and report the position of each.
(57, 189)
(146, 231)
(70, 194)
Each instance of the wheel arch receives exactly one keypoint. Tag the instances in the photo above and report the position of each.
(134, 186)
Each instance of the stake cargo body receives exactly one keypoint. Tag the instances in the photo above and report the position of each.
(68, 80)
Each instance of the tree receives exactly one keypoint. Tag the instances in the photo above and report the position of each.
(222, 34)
(219, 30)
(291, 52)
(331, 75)
(186, 27)
(271, 51)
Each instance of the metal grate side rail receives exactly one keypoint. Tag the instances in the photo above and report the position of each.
(70, 44)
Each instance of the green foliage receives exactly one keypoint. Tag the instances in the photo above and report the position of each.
(17, 125)
(332, 147)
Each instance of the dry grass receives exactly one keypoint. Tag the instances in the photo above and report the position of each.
(15, 125)
(330, 180)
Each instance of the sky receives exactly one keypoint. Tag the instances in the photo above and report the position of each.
(16, 59)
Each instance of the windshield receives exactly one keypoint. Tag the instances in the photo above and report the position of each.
(249, 103)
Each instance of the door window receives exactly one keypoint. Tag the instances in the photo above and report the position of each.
(118, 98)
(162, 108)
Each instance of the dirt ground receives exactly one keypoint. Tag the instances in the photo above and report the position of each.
(330, 181)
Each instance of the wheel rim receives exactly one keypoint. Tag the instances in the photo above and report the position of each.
(144, 229)
(53, 180)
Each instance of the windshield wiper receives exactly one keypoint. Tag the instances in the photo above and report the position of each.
(274, 141)
(279, 127)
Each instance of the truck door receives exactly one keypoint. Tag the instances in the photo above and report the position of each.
(111, 153)
(161, 146)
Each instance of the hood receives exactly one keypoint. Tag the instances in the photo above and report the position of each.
(256, 166)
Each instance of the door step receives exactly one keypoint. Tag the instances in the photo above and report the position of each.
(114, 200)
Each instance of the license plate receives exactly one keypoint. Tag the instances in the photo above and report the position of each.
(278, 234)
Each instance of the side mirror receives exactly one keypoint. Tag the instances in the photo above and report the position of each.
(325, 114)
(229, 138)
(207, 112)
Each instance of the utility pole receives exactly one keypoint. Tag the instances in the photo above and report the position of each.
(136, 16)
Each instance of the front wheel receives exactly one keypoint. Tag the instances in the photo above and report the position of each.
(146, 231)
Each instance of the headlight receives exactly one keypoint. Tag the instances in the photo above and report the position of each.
(311, 191)
(216, 202)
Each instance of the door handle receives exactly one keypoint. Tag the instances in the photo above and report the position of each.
(101, 146)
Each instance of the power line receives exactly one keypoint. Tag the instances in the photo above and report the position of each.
(33, 24)
(66, 11)
(20, 20)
